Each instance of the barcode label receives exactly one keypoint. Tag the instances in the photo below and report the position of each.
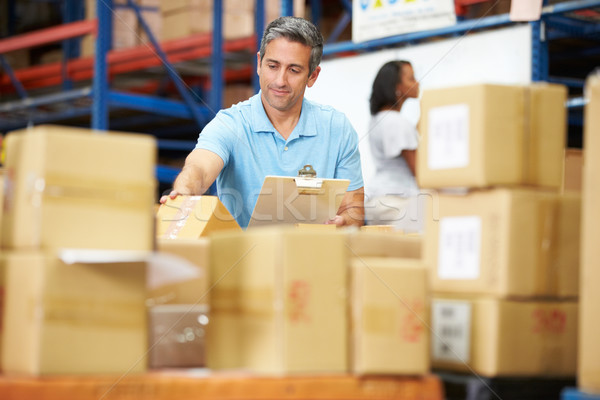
(451, 323)
(459, 247)
(448, 137)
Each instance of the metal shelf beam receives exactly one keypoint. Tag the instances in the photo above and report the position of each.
(460, 27)
(48, 35)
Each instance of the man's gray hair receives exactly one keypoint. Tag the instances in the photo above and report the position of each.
(296, 30)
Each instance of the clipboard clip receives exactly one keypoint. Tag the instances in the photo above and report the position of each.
(307, 181)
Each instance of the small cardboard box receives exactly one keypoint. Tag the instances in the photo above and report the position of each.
(181, 272)
(63, 317)
(589, 348)
(69, 187)
(505, 242)
(486, 135)
(176, 336)
(191, 217)
(390, 316)
(492, 337)
(278, 302)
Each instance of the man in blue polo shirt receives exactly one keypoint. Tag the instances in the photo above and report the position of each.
(277, 131)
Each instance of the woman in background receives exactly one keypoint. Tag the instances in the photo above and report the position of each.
(392, 193)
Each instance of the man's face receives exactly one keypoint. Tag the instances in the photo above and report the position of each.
(284, 74)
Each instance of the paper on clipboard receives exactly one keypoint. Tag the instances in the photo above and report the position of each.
(291, 200)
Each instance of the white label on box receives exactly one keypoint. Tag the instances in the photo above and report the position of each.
(451, 324)
(459, 247)
(448, 137)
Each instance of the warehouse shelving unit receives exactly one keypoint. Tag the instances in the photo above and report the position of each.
(97, 92)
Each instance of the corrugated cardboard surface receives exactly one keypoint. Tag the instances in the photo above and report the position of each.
(68, 187)
(505, 242)
(186, 282)
(589, 347)
(73, 318)
(1, 201)
(504, 338)
(572, 176)
(278, 301)
(384, 244)
(390, 316)
(502, 135)
(191, 217)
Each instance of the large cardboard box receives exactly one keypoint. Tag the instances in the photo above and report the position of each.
(278, 302)
(191, 217)
(492, 337)
(69, 187)
(505, 242)
(486, 135)
(63, 317)
(589, 347)
(182, 267)
(390, 316)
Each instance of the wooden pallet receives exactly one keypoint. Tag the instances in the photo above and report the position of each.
(189, 385)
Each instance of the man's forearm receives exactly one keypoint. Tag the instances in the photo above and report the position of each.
(190, 181)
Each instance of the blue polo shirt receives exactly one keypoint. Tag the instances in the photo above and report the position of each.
(251, 149)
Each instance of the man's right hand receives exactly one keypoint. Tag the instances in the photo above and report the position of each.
(172, 195)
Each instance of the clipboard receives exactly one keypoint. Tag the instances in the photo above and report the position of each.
(303, 199)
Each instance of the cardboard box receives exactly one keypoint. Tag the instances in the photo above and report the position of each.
(384, 244)
(191, 217)
(588, 377)
(573, 170)
(176, 336)
(67, 187)
(181, 272)
(390, 316)
(73, 318)
(2, 300)
(185, 18)
(127, 32)
(492, 337)
(505, 242)
(486, 135)
(1, 201)
(278, 302)
(189, 21)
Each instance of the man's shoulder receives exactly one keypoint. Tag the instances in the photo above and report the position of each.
(324, 110)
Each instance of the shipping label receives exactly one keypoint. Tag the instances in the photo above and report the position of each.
(459, 250)
(451, 325)
(448, 137)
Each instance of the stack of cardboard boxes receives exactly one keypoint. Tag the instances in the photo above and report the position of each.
(178, 297)
(126, 29)
(76, 229)
(305, 299)
(501, 239)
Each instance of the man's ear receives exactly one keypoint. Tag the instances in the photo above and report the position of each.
(313, 77)
(258, 62)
